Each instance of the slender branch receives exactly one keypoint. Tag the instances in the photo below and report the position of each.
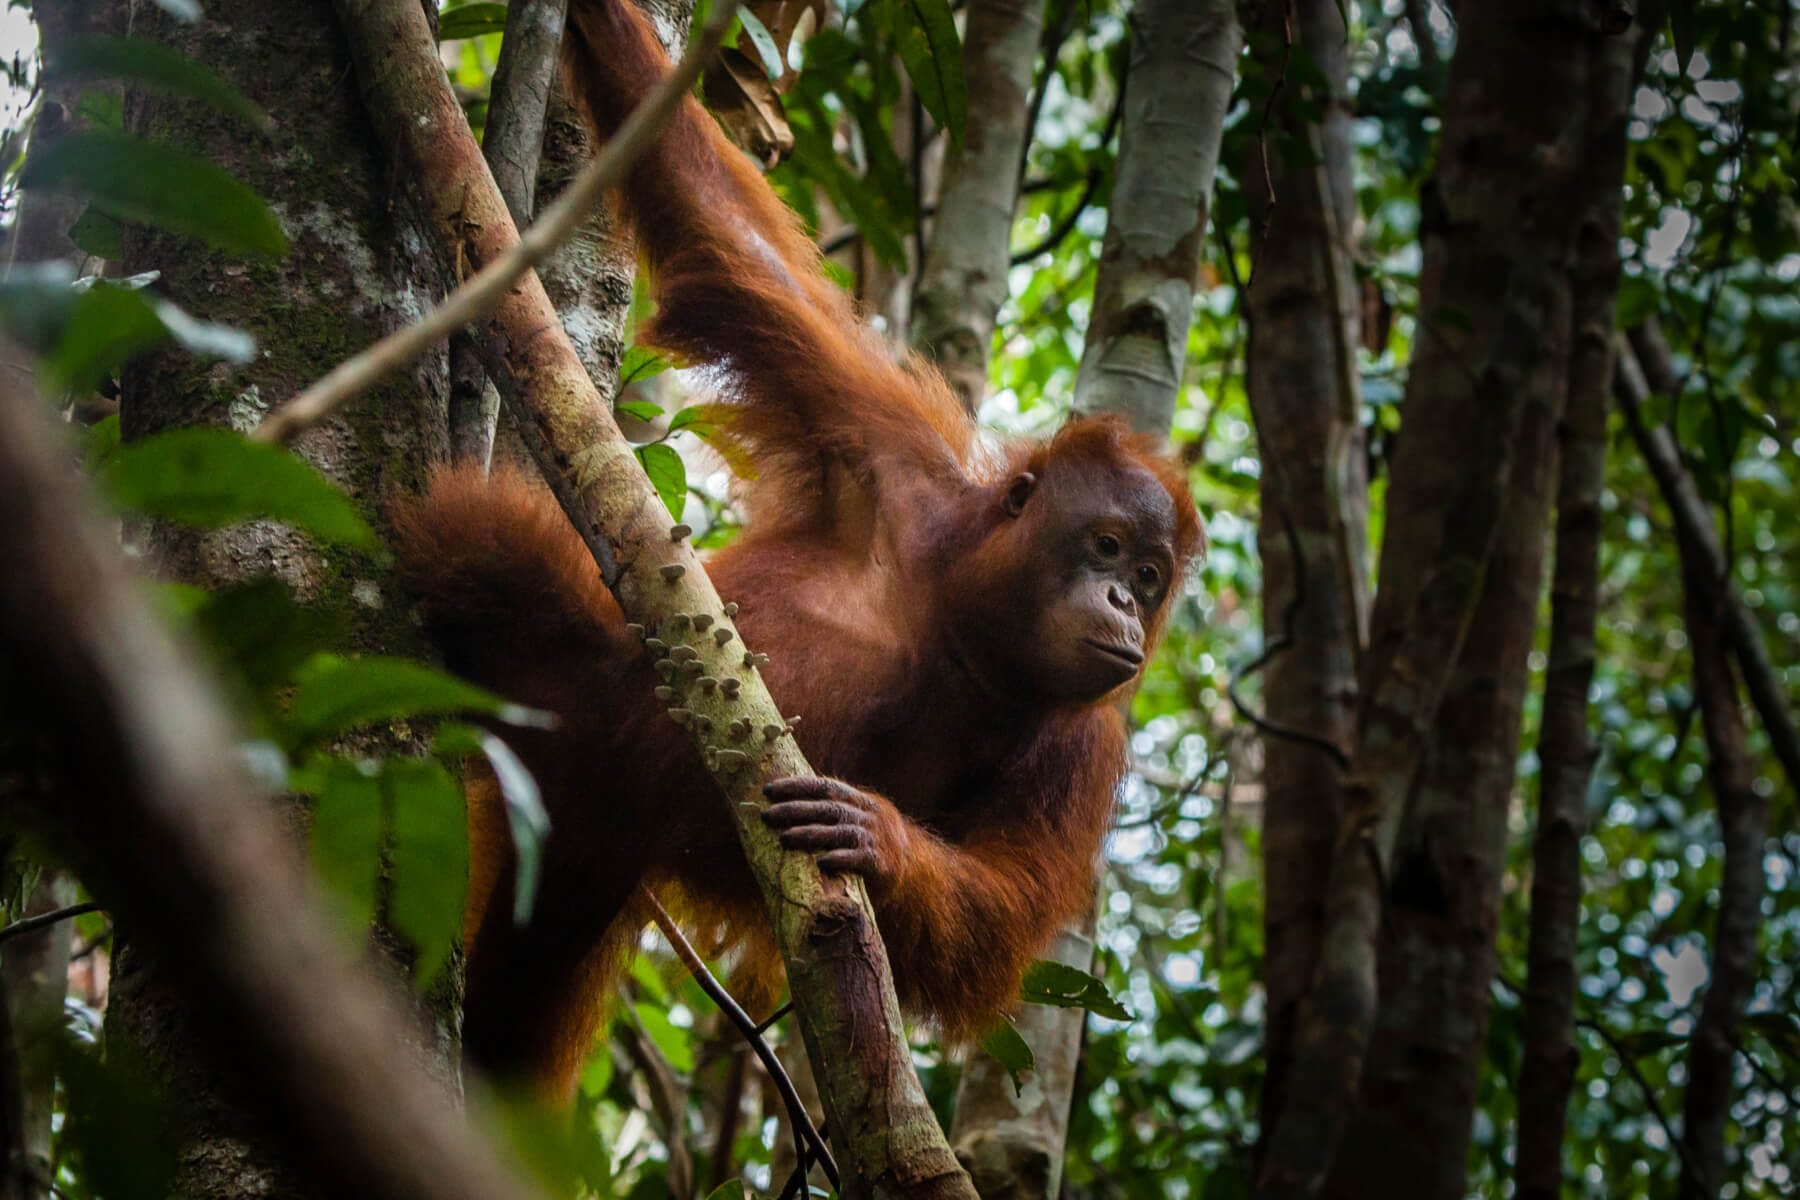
(479, 296)
(811, 1141)
(27, 925)
(1694, 524)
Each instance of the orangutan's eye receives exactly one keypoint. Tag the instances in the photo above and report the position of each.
(1107, 545)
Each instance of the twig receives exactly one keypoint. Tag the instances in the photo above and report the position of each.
(1066, 225)
(806, 1135)
(476, 298)
(27, 925)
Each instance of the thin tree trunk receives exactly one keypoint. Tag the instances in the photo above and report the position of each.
(349, 279)
(963, 281)
(513, 143)
(1468, 486)
(1691, 519)
(1744, 829)
(1011, 1141)
(1183, 65)
(34, 975)
(887, 1138)
(1743, 812)
(1304, 394)
(1565, 746)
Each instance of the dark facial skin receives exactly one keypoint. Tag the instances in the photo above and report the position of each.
(1102, 540)
(1100, 550)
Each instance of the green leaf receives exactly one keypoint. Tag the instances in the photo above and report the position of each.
(1062, 986)
(136, 180)
(693, 419)
(924, 33)
(97, 234)
(643, 410)
(527, 820)
(212, 477)
(151, 66)
(258, 632)
(1006, 1047)
(676, 1043)
(102, 445)
(430, 856)
(345, 832)
(733, 1190)
(1681, 31)
(640, 364)
(764, 41)
(471, 20)
(334, 694)
(668, 474)
(104, 325)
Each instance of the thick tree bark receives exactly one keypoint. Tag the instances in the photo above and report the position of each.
(158, 817)
(353, 274)
(1565, 746)
(1304, 394)
(1183, 65)
(1492, 297)
(963, 281)
(887, 1138)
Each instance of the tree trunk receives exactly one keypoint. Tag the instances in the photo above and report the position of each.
(1458, 590)
(1183, 65)
(963, 281)
(1565, 746)
(1011, 1141)
(1744, 828)
(1439, 937)
(1731, 769)
(34, 978)
(1304, 394)
(354, 273)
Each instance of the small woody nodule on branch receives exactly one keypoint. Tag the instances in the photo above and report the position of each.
(888, 1140)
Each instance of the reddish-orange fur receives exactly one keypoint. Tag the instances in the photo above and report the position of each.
(874, 519)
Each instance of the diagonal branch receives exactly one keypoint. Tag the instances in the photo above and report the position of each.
(1694, 525)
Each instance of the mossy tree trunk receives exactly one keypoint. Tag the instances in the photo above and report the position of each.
(357, 269)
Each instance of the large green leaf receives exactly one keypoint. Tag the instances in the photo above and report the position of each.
(151, 66)
(155, 184)
(212, 477)
(1062, 986)
(103, 326)
(924, 33)
(1006, 1047)
(346, 833)
(668, 473)
(430, 859)
(471, 20)
(333, 695)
